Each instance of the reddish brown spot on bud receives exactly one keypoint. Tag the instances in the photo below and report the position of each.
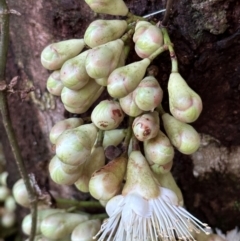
(117, 112)
(147, 132)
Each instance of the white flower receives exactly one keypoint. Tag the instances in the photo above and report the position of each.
(233, 235)
(145, 211)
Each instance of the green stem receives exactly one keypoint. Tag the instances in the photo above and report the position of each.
(160, 110)
(99, 138)
(81, 204)
(173, 56)
(99, 216)
(158, 51)
(4, 41)
(131, 18)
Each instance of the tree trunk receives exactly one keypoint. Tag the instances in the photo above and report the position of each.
(206, 38)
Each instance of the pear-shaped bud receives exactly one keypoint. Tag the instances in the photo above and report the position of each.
(161, 169)
(73, 146)
(27, 221)
(86, 105)
(54, 55)
(148, 38)
(103, 59)
(158, 149)
(59, 176)
(59, 225)
(73, 72)
(20, 193)
(63, 125)
(107, 115)
(4, 193)
(185, 104)
(124, 80)
(112, 7)
(8, 219)
(148, 94)
(129, 106)
(166, 180)
(113, 137)
(183, 136)
(146, 126)
(139, 178)
(106, 182)
(79, 98)
(54, 83)
(102, 31)
(93, 163)
(86, 230)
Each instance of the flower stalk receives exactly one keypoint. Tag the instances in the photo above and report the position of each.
(4, 42)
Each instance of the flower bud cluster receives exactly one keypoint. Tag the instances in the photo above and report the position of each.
(83, 68)
(59, 225)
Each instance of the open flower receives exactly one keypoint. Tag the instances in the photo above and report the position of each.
(145, 211)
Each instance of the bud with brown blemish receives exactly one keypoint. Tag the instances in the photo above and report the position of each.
(107, 115)
(146, 126)
(102, 31)
(54, 55)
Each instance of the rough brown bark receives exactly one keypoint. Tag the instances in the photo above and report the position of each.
(206, 37)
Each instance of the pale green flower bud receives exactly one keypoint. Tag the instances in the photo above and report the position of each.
(54, 83)
(54, 55)
(93, 163)
(107, 115)
(102, 31)
(8, 219)
(73, 72)
(73, 147)
(63, 125)
(183, 136)
(185, 104)
(4, 193)
(148, 38)
(113, 137)
(59, 225)
(80, 98)
(112, 7)
(10, 204)
(129, 106)
(102, 81)
(146, 126)
(158, 149)
(86, 230)
(148, 94)
(59, 176)
(27, 221)
(139, 177)
(3, 178)
(91, 131)
(106, 182)
(161, 169)
(103, 59)
(124, 80)
(42, 238)
(86, 105)
(166, 180)
(20, 193)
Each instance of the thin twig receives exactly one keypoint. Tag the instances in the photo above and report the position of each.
(4, 41)
(167, 12)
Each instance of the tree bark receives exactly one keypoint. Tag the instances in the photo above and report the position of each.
(206, 37)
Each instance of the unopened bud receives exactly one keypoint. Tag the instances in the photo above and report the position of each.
(54, 83)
